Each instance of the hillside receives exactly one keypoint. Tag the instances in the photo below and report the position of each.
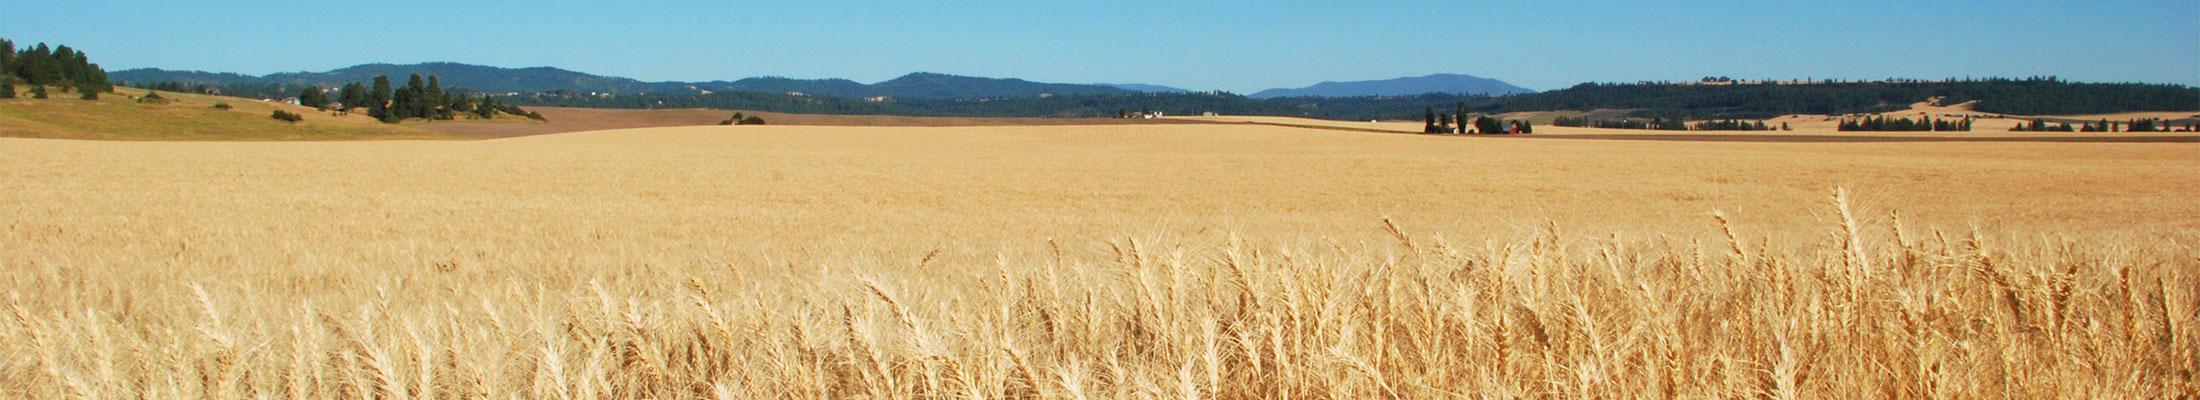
(1437, 83)
(474, 77)
(121, 116)
(1141, 87)
(549, 79)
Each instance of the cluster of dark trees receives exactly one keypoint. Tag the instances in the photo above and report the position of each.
(1457, 123)
(1654, 123)
(41, 66)
(2042, 126)
(1735, 125)
(2104, 125)
(1759, 100)
(424, 99)
(1922, 124)
(2158, 125)
(739, 119)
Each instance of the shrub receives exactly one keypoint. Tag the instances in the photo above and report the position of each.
(751, 120)
(224, 106)
(38, 91)
(286, 116)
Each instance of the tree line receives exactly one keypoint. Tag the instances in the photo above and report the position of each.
(2029, 96)
(1457, 123)
(1654, 123)
(1904, 124)
(2104, 125)
(419, 98)
(42, 65)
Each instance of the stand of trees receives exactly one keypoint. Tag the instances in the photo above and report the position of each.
(2030, 96)
(2042, 126)
(59, 66)
(1654, 123)
(1884, 124)
(419, 98)
(1731, 125)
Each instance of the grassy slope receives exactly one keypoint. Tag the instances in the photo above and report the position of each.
(119, 116)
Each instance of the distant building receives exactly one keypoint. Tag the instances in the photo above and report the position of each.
(877, 99)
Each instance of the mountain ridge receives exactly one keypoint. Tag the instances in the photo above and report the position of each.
(1405, 86)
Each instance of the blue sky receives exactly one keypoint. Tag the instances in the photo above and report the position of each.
(1240, 46)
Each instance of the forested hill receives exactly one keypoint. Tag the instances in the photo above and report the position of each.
(2033, 96)
(2041, 96)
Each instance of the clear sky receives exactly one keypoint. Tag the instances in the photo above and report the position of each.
(1240, 46)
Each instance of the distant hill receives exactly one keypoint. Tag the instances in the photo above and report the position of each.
(1145, 88)
(186, 116)
(474, 77)
(772, 84)
(1438, 83)
(547, 79)
(944, 86)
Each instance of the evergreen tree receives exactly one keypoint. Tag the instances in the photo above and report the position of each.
(412, 102)
(438, 104)
(1526, 128)
(7, 58)
(7, 87)
(1488, 126)
(38, 91)
(87, 93)
(487, 108)
(1429, 121)
(353, 95)
(378, 101)
(1460, 119)
(312, 96)
(33, 66)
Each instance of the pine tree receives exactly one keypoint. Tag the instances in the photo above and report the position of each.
(7, 87)
(353, 95)
(87, 93)
(312, 96)
(7, 59)
(487, 108)
(38, 91)
(1460, 119)
(1429, 120)
(378, 101)
(438, 105)
(412, 102)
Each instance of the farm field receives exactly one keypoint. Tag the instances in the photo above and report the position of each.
(1109, 261)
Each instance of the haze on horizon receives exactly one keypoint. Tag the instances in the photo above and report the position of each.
(1239, 46)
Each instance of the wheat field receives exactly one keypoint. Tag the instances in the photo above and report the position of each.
(1178, 261)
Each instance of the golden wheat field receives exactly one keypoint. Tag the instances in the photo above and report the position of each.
(1149, 261)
